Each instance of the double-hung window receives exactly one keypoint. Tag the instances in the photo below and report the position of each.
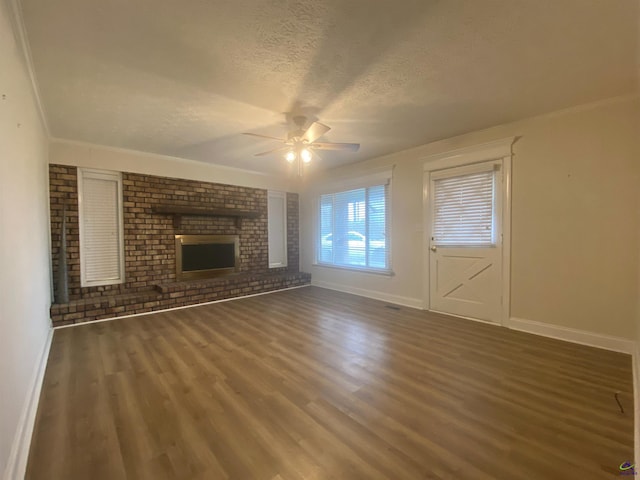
(354, 228)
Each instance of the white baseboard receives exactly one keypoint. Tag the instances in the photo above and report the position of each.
(636, 404)
(17, 462)
(385, 297)
(592, 339)
(583, 337)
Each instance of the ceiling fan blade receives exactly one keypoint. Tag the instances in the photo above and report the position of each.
(315, 131)
(275, 150)
(263, 136)
(336, 146)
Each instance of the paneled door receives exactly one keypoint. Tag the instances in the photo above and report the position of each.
(465, 248)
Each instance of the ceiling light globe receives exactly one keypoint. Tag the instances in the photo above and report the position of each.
(290, 156)
(306, 155)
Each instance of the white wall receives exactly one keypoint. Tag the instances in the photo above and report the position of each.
(24, 250)
(636, 354)
(574, 219)
(94, 156)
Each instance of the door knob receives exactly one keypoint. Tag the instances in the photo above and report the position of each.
(433, 248)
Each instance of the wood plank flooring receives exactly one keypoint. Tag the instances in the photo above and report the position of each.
(315, 384)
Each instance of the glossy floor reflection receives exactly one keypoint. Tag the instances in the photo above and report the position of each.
(315, 384)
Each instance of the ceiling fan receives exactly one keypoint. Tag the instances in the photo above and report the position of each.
(301, 143)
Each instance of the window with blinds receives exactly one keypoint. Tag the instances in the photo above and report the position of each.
(277, 228)
(353, 228)
(100, 219)
(463, 210)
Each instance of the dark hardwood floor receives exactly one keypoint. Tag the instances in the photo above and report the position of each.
(315, 384)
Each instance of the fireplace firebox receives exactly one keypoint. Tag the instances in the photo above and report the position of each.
(204, 256)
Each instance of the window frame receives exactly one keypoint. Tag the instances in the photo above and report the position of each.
(383, 177)
(285, 246)
(87, 173)
(494, 168)
(497, 150)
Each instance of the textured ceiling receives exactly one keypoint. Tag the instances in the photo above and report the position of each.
(186, 77)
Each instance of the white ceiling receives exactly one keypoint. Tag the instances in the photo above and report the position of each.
(186, 77)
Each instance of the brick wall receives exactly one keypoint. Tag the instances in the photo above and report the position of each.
(63, 188)
(293, 232)
(149, 237)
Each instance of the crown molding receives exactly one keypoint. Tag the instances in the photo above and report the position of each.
(159, 156)
(474, 153)
(20, 33)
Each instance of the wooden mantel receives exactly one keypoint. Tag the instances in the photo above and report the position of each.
(178, 212)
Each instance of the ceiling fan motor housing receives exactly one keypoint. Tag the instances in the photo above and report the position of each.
(303, 138)
(300, 121)
(294, 136)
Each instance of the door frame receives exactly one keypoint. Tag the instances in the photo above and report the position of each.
(495, 150)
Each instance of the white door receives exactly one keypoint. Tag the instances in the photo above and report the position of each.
(465, 248)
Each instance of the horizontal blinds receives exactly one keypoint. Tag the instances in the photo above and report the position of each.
(100, 223)
(349, 227)
(325, 242)
(353, 228)
(277, 229)
(463, 210)
(377, 227)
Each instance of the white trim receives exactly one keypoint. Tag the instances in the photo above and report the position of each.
(473, 154)
(158, 156)
(386, 272)
(492, 166)
(19, 455)
(379, 176)
(479, 320)
(426, 239)
(376, 295)
(636, 403)
(376, 178)
(116, 177)
(21, 32)
(505, 230)
(496, 150)
(283, 196)
(418, 152)
(178, 308)
(482, 167)
(582, 337)
(315, 227)
(583, 107)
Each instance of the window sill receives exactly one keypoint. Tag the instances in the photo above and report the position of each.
(101, 283)
(375, 271)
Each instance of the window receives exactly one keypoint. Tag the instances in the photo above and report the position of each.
(100, 218)
(277, 228)
(463, 209)
(353, 228)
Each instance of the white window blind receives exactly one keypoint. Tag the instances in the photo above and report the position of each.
(463, 210)
(353, 228)
(100, 217)
(277, 228)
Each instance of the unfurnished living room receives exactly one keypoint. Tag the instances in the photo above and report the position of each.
(328, 239)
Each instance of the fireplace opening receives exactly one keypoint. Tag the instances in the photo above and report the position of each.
(204, 256)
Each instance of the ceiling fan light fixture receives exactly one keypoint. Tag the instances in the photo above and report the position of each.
(300, 144)
(305, 154)
(290, 156)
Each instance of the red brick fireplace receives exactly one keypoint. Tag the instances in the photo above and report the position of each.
(152, 220)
